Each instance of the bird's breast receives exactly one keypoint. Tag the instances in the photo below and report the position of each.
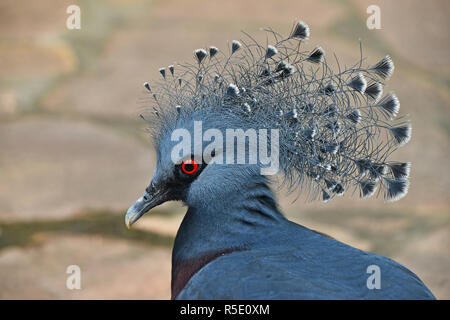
(183, 270)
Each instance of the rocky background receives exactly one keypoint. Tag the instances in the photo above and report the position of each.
(74, 155)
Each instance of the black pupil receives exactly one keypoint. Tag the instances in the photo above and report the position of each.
(189, 167)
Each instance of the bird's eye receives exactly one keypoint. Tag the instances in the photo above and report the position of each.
(189, 166)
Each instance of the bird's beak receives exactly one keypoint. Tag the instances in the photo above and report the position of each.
(143, 205)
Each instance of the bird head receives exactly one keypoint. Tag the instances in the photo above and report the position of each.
(332, 131)
(205, 158)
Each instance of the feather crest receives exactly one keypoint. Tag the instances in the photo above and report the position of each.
(330, 138)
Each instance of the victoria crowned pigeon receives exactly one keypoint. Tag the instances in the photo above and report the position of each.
(224, 125)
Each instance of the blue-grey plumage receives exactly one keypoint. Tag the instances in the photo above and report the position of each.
(282, 260)
(233, 210)
(234, 243)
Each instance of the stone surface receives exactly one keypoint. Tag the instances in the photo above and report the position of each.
(54, 168)
(110, 269)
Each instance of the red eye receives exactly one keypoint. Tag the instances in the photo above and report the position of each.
(189, 166)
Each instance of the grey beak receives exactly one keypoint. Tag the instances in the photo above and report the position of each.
(141, 206)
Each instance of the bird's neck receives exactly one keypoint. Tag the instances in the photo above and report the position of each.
(221, 226)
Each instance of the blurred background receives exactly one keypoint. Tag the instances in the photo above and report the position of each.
(74, 155)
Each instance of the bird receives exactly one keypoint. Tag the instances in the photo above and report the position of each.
(333, 132)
